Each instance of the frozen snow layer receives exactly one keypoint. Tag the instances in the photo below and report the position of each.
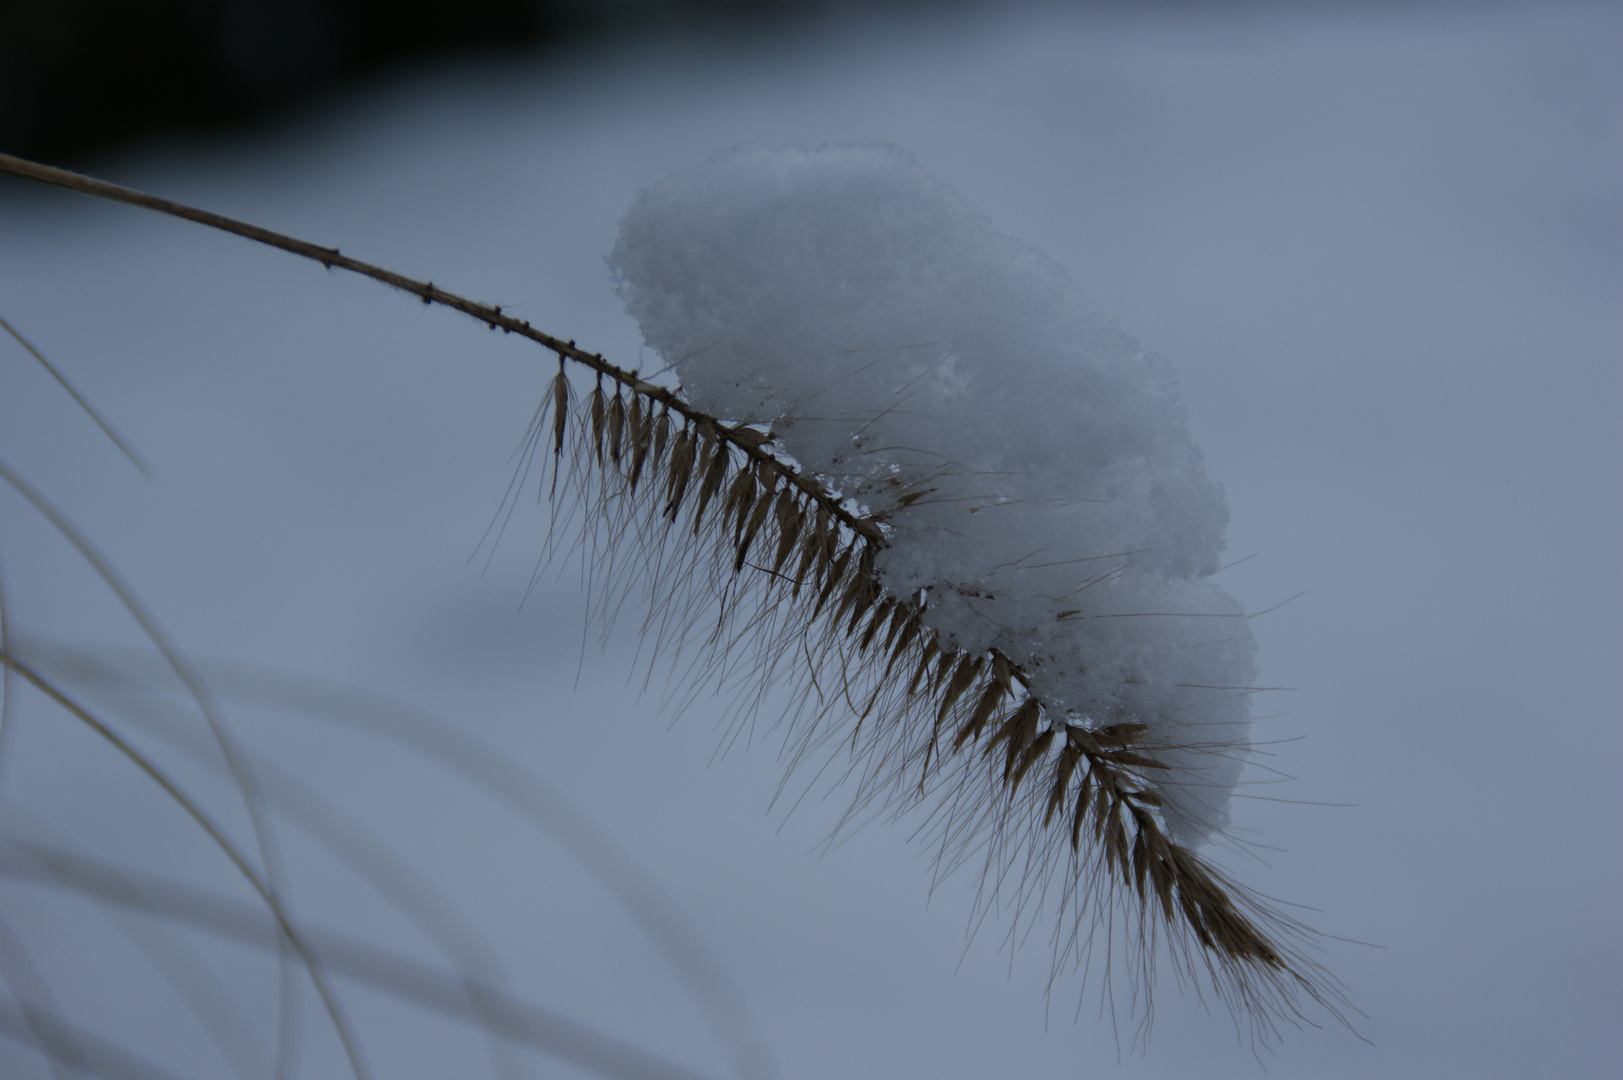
(1028, 458)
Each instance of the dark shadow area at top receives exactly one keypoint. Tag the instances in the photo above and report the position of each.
(81, 78)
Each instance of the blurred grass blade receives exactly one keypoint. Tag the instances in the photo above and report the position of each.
(399, 976)
(73, 1046)
(312, 965)
(79, 399)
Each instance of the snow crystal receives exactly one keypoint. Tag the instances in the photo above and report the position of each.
(1028, 458)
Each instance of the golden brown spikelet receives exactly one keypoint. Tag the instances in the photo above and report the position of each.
(560, 415)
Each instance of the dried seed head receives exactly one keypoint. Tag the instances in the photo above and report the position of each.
(987, 704)
(763, 504)
(1064, 766)
(962, 676)
(811, 549)
(717, 459)
(560, 411)
(881, 616)
(932, 646)
(836, 574)
(616, 425)
(676, 476)
(662, 432)
(596, 409)
(735, 505)
(911, 628)
(1084, 799)
(1033, 753)
(639, 430)
(790, 518)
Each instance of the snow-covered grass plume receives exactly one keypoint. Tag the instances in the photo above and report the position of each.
(917, 485)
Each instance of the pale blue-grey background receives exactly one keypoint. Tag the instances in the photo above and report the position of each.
(1383, 250)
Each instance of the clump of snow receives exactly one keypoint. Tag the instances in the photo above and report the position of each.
(1028, 458)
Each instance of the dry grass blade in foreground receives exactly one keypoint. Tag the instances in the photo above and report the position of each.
(768, 561)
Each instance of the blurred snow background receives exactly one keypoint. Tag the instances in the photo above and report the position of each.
(1380, 247)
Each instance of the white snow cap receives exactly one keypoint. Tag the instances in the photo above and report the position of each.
(1028, 458)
